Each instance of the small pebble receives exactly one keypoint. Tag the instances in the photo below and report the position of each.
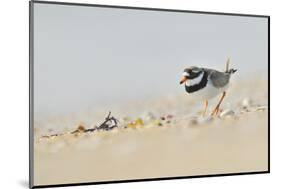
(166, 117)
(157, 123)
(162, 118)
(193, 121)
(227, 113)
(148, 116)
(169, 116)
(261, 108)
(137, 123)
(131, 125)
(81, 128)
(246, 102)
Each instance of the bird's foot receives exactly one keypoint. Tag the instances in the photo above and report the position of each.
(215, 112)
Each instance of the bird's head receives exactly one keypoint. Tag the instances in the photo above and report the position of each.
(190, 73)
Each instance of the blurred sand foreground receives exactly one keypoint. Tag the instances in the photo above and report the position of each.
(181, 143)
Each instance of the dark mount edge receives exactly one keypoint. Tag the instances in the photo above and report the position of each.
(148, 9)
(31, 92)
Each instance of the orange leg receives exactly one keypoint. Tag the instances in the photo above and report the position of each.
(216, 110)
(206, 106)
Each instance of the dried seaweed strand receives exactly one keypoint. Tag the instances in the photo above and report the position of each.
(109, 123)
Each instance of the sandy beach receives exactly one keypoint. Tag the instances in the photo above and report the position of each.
(160, 137)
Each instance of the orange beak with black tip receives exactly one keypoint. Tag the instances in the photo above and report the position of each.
(183, 79)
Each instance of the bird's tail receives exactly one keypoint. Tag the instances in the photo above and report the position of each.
(227, 70)
(231, 71)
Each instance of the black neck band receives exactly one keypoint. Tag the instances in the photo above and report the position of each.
(200, 85)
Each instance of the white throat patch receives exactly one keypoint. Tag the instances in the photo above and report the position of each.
(185, 74)
(191, 82)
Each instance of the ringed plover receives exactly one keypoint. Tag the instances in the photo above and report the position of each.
(205, 84)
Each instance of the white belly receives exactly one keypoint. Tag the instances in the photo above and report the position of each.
(208, 92)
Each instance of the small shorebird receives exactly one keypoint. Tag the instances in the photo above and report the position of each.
(204, 84)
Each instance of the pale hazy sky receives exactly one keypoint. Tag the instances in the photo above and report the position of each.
(84, 56)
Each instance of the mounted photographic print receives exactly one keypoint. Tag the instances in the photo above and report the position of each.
(122, 94)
